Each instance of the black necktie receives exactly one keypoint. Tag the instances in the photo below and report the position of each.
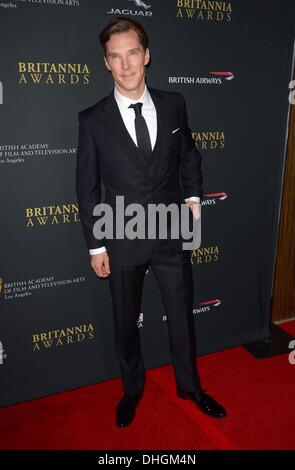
(142, 132)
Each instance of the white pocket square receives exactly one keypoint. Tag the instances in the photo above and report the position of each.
(175, 130)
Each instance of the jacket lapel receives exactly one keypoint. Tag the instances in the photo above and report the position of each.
(113, 122)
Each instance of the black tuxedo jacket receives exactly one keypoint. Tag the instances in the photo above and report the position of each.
(108, 156)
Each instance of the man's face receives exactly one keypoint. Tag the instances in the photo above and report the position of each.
(126, 59)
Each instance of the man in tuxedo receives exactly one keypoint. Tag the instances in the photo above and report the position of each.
(137, 142)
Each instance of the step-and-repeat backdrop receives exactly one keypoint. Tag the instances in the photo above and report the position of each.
(232, 61)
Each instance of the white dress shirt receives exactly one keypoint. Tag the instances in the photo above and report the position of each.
(150, 115)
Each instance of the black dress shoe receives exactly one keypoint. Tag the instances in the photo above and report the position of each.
(205, 403)
(125, 411)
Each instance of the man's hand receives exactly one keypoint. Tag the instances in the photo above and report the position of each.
(196, 209)
(100, 264)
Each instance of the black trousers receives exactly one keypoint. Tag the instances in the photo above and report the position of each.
(173, 273)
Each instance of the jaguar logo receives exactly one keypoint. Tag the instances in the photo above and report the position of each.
(139, 3)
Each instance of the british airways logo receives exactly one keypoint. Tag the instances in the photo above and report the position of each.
(206, 306)
(226, 75)
(208, 78)
(211, 199)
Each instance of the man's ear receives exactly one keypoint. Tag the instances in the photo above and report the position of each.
(147, 56)
(106, 64)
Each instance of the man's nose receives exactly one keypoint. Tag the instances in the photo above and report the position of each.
(125, 63)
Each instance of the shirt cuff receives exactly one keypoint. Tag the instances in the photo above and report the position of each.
(193, 198)
(96, 251)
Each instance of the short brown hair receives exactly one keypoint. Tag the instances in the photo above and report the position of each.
(122, 25)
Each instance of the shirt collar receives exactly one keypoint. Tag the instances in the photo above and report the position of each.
(125, 102)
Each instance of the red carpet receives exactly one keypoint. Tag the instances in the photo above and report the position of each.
(258, 396)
